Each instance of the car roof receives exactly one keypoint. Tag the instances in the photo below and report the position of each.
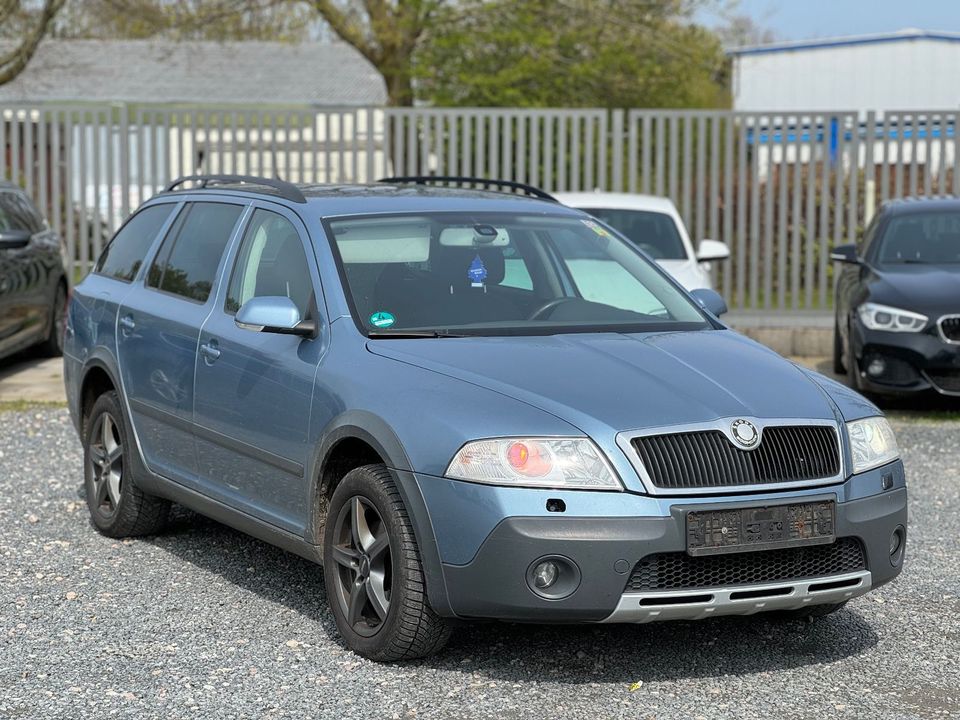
(618, 201)
(919, 205)
(357, 199)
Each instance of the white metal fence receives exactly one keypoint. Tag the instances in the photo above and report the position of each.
(779, 189)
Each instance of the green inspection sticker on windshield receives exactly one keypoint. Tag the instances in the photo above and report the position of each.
(596, 228)
(382, 319)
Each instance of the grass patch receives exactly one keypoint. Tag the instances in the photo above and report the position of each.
(25, 405)
(924, 416)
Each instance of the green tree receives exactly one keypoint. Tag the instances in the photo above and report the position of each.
(571, 53)
(28, 27)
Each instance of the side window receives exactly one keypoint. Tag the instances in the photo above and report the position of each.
(124, 255)
(13, 211)
(30, 214)
(187, 262)
(271, 262)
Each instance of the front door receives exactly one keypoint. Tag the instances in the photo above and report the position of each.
(253, 389)
(159, 326)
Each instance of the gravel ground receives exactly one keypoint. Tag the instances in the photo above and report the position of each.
(205, 622)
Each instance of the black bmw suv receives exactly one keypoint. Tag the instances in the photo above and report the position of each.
(898, 300)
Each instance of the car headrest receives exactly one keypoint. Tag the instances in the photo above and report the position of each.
(451, 264)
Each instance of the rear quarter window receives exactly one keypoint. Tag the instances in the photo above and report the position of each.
(124, 254)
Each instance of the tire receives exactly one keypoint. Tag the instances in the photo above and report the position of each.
(118, 508)
(838, 367)
(813, 612)
(52, 346)
(373, 574)
(853, 367)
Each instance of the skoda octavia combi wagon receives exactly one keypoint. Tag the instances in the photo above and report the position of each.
(466, 405)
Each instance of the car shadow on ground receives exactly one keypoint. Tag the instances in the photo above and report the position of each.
(572, 654)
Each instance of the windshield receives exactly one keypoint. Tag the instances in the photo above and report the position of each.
(653, 232)
(495, 274)
(927, 238)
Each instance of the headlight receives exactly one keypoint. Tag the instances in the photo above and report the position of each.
(534, 462)
(891, 319)
(872, 443)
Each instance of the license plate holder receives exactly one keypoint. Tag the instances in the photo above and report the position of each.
(767, 527)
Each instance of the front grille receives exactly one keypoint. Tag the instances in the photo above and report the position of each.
(707, 459)
(950, 327)
(679, 571)
(946, 380)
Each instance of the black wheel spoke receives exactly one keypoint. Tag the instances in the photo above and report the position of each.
(100, 490)
(115, 454)
(377, 596)
(98, 455)
(380, 543)
(358, 598)
(346, 556)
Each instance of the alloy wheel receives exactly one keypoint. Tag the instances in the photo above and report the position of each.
(363, 573)
(106, 461)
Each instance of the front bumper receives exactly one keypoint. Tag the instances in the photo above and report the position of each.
(604, 551)
(914, 362)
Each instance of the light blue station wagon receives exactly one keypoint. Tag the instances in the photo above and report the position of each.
(466, 404)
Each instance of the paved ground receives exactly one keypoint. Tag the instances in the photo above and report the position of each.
(204, 622)
(27, 377)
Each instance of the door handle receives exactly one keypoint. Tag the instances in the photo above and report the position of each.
(127, 325)
(210, 352)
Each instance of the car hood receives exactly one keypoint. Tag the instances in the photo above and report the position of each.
(928, 289)
(626, 381)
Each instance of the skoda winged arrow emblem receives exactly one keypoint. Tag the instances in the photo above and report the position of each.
(745, 433)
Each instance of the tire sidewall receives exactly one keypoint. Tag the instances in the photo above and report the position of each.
(365, 483)
(107, 403)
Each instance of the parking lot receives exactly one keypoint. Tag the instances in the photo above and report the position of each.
(205, 622)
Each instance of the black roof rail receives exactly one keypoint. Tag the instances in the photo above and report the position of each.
(484, 182)
(288, 191)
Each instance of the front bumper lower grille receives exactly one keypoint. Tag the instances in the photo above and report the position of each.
(680, 571)
(708, 459)
(947, 381)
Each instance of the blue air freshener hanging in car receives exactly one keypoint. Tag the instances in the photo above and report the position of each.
(477, 272)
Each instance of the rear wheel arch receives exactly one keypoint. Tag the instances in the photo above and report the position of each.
(97, 380)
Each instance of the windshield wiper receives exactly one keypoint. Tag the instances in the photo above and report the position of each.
(401, 334)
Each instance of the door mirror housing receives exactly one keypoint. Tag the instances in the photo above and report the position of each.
(712, 250)
(845, 254)
(10, 239)
(710, 300)
(274, 314)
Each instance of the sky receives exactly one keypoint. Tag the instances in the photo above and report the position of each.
(805, 19)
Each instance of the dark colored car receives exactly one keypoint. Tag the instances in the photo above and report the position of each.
(33, 282)
(898, 300)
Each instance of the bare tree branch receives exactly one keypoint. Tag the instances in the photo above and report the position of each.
(13, 62)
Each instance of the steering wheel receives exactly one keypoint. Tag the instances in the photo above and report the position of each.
(546, 307)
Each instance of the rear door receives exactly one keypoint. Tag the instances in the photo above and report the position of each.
(158, 329)
(253, 396)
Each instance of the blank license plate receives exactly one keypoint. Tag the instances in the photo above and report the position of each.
(714, 532)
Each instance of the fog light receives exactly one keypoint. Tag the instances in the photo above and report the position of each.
(897, 542)
(876, 367)
(545, 574)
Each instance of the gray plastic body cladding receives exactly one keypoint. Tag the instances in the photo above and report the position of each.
(493, 585)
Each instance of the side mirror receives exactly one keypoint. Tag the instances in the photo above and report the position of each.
(712, 250)
(845, 254)
(274, 315)
(710, 300)
(10, 239)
